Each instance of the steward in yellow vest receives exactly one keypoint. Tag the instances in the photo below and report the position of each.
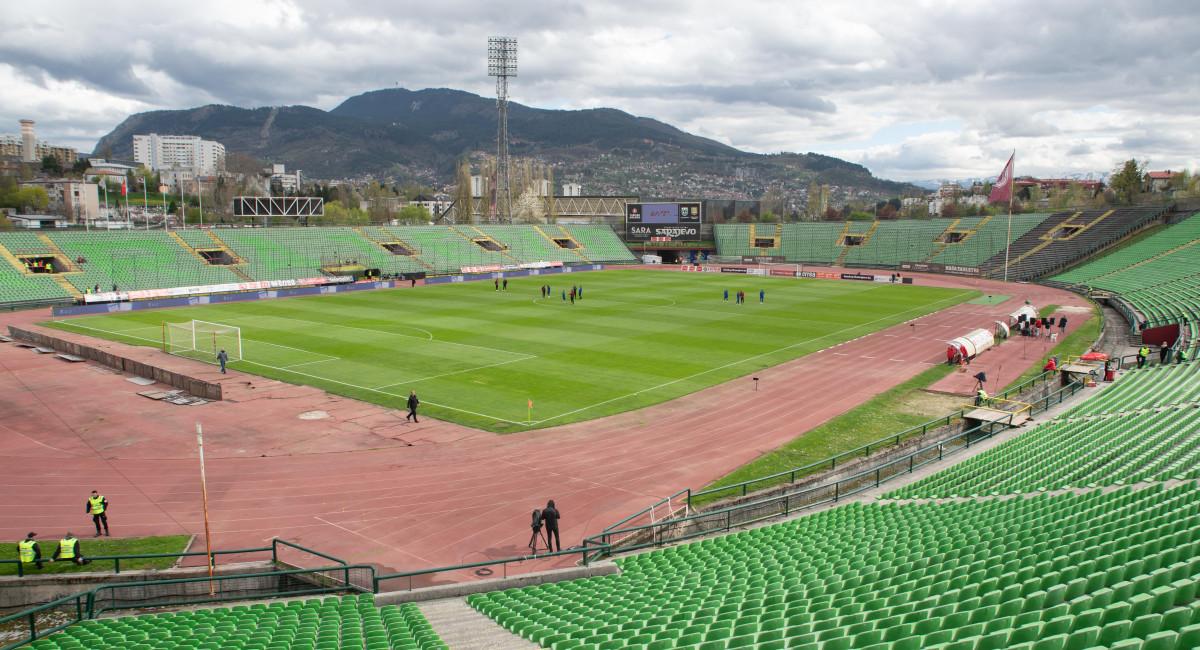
(69, 550)
(97, 507)
(29, 552)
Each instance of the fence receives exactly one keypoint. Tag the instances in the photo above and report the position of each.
(485, 565)
(783, 505)
(41, 621)
(277, 548)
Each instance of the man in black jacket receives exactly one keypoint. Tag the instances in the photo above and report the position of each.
(550, 517)
(413, 402)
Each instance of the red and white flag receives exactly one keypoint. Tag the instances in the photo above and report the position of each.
(1002, 188)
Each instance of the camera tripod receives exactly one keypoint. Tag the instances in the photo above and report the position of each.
(533, 539)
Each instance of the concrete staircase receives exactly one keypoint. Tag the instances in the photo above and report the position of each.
(463, 628)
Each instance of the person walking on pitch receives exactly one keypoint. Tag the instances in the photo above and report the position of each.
(222, 358)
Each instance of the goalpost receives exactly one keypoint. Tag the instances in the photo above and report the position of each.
(202, 340)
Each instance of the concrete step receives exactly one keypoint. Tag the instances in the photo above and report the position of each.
(463, 628)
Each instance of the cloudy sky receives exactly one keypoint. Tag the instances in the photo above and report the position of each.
(914, 90)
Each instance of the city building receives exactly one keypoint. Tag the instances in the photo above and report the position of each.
(25, 148)
(1159, 181)
(281, 180)
(187, 152)
(77, 201)
(572, 189)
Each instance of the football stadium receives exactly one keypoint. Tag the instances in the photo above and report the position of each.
(971, 434)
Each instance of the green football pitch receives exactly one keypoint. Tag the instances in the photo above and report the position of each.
(477, 356)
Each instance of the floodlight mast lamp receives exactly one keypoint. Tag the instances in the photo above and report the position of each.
(502, 64)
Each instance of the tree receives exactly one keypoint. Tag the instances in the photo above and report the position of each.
(32, 199)
(768, 217)
(1126, 181)
(949, 210)
(51, 165)
(812, 208)
(413, 214)
(833, 214)
(5, 224)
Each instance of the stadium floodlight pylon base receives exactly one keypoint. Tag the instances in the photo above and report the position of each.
(198, 339)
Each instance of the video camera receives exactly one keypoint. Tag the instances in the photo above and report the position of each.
(536, 523)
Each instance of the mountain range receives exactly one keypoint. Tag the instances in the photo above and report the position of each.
(419, 136)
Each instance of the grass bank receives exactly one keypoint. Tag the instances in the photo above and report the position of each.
(102, 546)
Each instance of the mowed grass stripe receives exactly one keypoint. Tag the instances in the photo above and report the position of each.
(476, 355)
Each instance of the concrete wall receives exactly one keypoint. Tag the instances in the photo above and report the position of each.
(17, 593)
(197, 387)
(495, 584)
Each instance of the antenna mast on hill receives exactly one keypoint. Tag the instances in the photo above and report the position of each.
(502, 64)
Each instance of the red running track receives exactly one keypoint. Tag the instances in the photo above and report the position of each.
(364, 485)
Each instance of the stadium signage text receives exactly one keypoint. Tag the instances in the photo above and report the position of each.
(643, 232)
(858, 276)
(763, 259)
(934, 267)
(734, 269)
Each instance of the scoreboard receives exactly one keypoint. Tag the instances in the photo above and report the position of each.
(662, 221)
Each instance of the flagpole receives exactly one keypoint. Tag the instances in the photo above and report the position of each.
(204, 503)
(1012, 175)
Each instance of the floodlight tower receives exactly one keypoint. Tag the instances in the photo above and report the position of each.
(502, 64)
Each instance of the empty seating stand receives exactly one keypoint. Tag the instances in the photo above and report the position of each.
(1158, 276)
(325, 624)
(136, 259)
(1067, 237)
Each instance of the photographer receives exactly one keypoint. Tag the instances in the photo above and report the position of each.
(550, 517)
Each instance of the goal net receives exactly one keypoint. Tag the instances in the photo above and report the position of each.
(202, 340)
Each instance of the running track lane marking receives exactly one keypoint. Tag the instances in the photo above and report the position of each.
(764, 354)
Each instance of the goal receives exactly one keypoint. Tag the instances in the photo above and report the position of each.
(202, 340)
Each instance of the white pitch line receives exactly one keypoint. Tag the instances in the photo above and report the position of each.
(319, 377)
(447, 374)
(407, 336)
(382, 392)
(758, 356)
(309, 363)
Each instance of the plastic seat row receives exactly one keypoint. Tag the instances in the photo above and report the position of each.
(320, 624)
(1066, 571)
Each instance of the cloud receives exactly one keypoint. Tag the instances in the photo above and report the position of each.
(913, 90)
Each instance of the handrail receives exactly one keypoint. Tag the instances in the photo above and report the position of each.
(116, 559)
(831, 461)
(651, 507)
(86, 601)
(602, 540)
(504, 561)
(890, 440)
(212, 557)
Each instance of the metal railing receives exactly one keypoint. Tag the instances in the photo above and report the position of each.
(503, 563)
(56, 615)
(782, 505)
(116, 560)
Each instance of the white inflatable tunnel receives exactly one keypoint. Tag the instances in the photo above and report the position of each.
(1029, 311)
(971, 344)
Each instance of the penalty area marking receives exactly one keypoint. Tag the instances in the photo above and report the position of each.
(319, 377)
